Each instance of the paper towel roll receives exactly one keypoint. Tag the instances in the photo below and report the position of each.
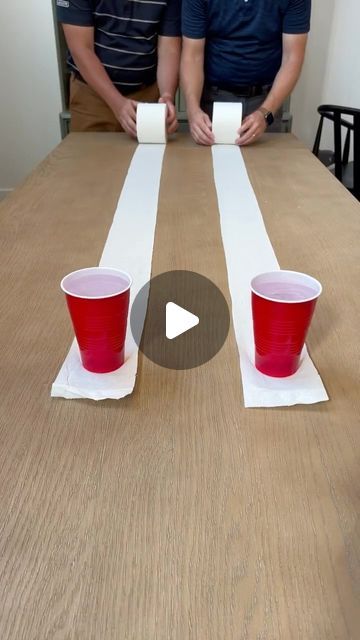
(151, 123)
(226, 121)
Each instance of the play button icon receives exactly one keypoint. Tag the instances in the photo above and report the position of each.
(186, 319)
(178, 320)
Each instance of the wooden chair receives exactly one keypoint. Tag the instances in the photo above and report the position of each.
(347, 172)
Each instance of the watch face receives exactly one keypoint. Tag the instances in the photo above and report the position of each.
(269, 118)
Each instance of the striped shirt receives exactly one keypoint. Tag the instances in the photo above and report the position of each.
(125, 34)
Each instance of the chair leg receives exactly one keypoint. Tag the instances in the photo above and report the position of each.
(346, 152)
(357, 155)
(318, 137)
(338, 146)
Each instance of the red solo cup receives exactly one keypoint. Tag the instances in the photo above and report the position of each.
(283, 303)
(98, 302)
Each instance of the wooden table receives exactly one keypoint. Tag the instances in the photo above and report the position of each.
(176, 514)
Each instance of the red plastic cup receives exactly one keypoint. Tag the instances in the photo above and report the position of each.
(98, 302)
(283, 304)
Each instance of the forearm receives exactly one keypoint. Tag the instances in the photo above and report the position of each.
(284, 82)
(95, 75)
(192, 80)
(169, 50)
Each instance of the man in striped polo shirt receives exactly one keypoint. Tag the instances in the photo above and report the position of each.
(121, 52)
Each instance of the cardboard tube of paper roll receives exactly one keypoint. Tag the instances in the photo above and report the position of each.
(226, 122)
(151, 123)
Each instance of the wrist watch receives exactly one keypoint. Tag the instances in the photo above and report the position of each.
(268, 116)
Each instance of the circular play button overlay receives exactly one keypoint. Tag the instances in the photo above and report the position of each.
(186, 319)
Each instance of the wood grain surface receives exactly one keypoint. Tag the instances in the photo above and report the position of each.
(176, 514)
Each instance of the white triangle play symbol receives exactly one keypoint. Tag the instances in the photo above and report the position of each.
(178, 320)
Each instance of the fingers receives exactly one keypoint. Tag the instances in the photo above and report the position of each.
(171, 111)
(129, 118)
(200, 129)
(252, 128)
(201, 136)
(250, 135)
(207, 121)
(249, 139)
(245, 129)
(171, 119)
(130, 127)
(247, 135)
(129, 124)
(246, 124)
(172, 126)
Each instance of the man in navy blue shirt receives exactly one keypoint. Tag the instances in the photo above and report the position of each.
(241, 50)
(121, 52)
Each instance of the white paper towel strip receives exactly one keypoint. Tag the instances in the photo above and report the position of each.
(151, 123)
(226, 121)
(248, 251)
(129, 246)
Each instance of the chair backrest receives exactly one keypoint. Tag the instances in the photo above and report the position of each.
(335, 114)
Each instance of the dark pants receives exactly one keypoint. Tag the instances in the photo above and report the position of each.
(214, 94)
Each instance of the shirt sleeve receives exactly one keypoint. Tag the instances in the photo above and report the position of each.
(171, 22)
(194, 18)
(297, 17)
(78, 12)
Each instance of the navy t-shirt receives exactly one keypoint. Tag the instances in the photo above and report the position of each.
(243, 37)
(125, 34)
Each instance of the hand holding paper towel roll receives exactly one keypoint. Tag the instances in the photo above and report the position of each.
(226, 122)
(151, 123)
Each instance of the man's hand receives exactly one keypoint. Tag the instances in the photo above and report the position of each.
(125, 112)
(201, 127)
(252, 128)
(171, 119)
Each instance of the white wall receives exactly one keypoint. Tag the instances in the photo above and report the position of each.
(30, 97)
(331, 72)
(342, 80)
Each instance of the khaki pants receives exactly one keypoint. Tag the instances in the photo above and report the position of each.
(90, 113)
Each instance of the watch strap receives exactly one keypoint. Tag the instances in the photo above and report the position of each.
(268, 115)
